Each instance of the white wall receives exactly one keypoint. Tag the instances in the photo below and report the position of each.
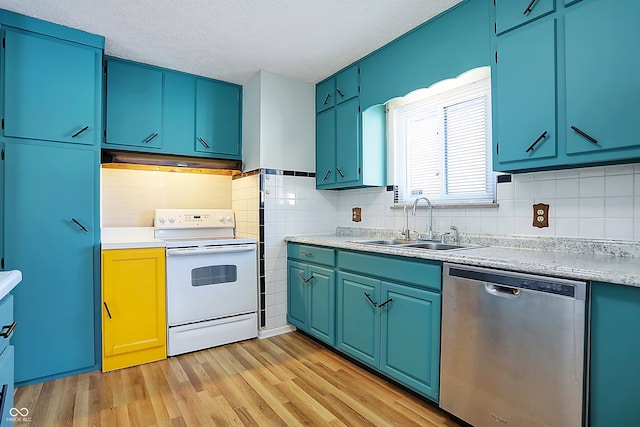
(251, 124)
(596, 202)
(278, 123)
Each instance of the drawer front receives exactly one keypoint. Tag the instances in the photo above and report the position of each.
(6, 320)
(312, 254)
(424, 273)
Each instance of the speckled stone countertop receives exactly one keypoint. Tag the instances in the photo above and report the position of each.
(598, 260)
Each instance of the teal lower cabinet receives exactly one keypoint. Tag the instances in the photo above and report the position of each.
(6, 361)
(388, 317)
(311, 292)
(615, 345)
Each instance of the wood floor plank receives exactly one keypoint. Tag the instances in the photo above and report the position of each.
(286, 380)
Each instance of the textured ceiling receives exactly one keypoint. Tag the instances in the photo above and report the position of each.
(233, 39)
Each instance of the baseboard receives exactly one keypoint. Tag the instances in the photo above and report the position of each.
(268, 333)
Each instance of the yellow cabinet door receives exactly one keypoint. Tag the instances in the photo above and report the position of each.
(134, 320)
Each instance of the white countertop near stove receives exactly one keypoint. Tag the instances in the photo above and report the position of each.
(8, 281)
(129, 238)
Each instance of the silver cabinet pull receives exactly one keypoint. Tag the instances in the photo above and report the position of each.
(306, 253)
(203, 142)
(85, 229)
(540, 138)
(584, 134)
(375, 304)
(108, 311)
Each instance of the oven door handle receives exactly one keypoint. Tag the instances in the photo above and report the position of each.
(208, 250)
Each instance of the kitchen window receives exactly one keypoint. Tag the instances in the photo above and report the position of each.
(441, 141)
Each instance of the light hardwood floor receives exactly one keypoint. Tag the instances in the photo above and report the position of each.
(287, 380)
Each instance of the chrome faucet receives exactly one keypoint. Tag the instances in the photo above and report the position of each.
(456, 236)
(405, 231)
(415, 205)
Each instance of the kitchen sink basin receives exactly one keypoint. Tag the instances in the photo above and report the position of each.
(388, 242)
(412, 244)
(436, 246)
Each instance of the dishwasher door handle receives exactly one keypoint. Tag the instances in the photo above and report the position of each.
(502, 291)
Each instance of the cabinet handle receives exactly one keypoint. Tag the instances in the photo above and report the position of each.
(326, 175)
(204, 142)
(3, 397)
(540, 138)
(340, 92)
(306, 253)
(303, 279)
(385, 303)
(584, 134)
(375, 304)
(529, 7)
(85, 229)
(148, 140)
(340, 172)
(80, 131)
(327, 99)
(108, 311)
(7, 329)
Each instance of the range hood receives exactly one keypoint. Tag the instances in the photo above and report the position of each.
(169, 160)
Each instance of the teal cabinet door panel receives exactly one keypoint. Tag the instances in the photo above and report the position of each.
(326, 148)
(325, 95)
(322, 293)
(179, 113)
(348, 144)
(525, 96)
(358, 320)
(54, 306)
(7, 378)
(52, 89)
(347, 84)
(512, 13)
(218, 111)
(615, 343)
(134, 105)
(297, 310)
(602, 69)
(410, 343)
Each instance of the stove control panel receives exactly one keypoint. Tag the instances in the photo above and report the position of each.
(193, 218)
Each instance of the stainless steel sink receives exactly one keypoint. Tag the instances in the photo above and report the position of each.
(387, 242)
(428, 245)
(436, 246)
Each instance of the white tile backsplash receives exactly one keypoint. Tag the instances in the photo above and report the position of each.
(596, 202)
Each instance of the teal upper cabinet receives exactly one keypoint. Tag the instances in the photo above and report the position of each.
(134, 105)
(525, 95)
(512, 13)
(52, 88)
(565, 92)
(158, 110)
(602, 77)
(350, 151)
(614, 373)
(325, 95)
(218, 110)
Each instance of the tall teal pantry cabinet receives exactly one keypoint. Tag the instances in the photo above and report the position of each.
(51, 80)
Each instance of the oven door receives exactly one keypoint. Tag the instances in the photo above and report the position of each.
(210, 282)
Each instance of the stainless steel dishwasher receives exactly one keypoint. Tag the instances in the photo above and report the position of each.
(512, 348)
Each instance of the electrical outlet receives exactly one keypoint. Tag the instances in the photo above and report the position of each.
(356, 214)
(540, 215)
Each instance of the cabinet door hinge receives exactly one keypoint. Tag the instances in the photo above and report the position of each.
(497, 148)
(495, 28)
(4, 42)
(358, 108)
(105, 134)
(496, 56)
(3, 123)
(2, 155)
(2, 264)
